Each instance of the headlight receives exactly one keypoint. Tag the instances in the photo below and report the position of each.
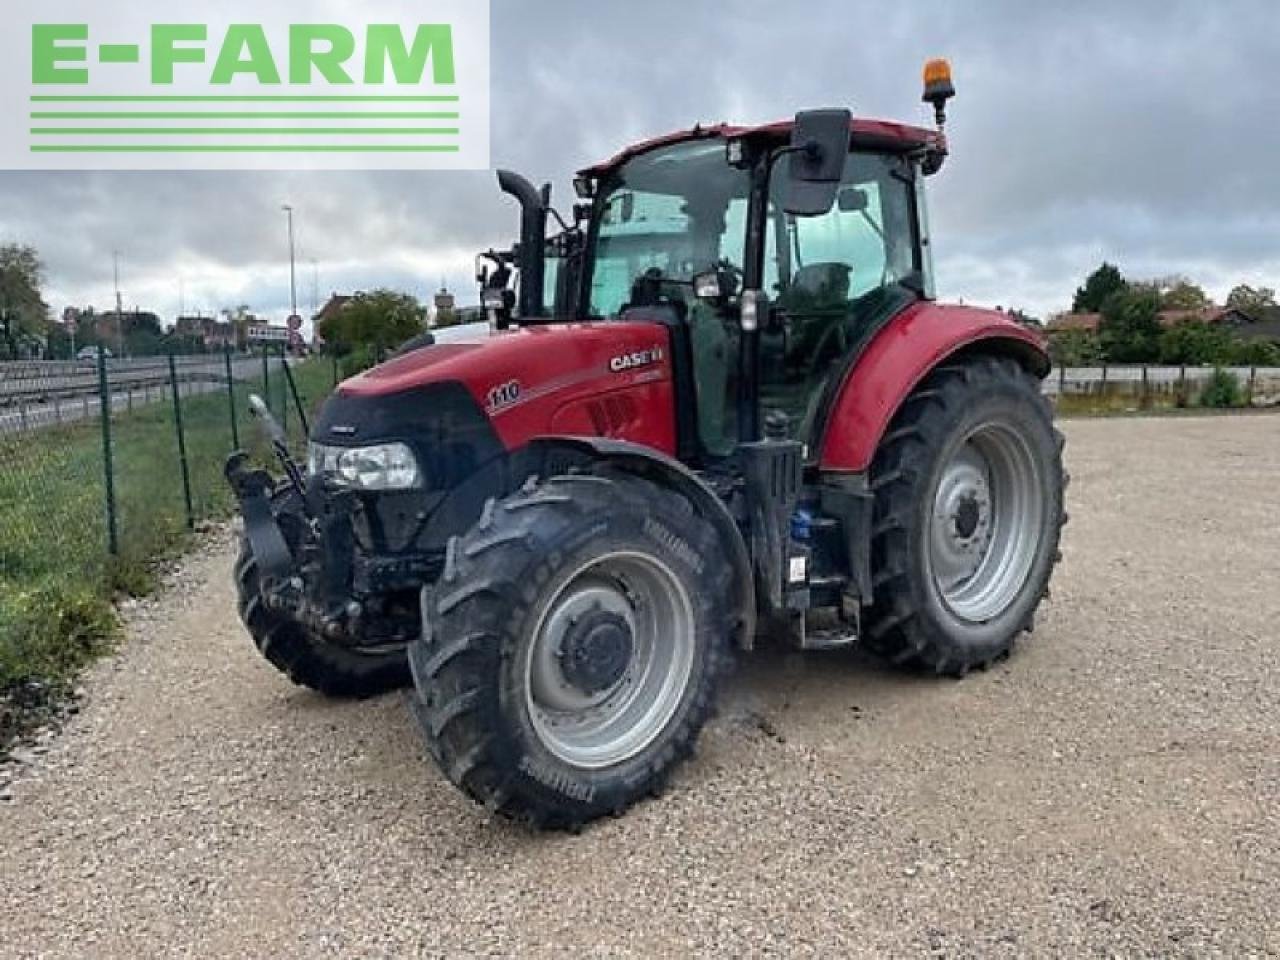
(387, 466)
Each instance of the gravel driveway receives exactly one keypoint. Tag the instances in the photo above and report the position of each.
(1112, 790)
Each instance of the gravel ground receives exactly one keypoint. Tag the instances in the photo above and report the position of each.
(1112, 790)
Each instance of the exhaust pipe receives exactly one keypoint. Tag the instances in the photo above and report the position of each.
(533, 238)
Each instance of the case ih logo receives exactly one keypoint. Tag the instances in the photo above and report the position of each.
(284, 85)
(632, 361)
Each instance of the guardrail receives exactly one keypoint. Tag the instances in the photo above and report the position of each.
(38, 395)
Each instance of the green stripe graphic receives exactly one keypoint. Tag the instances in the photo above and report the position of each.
(240, 131)
(243, 99)
(224, 115)
(245, 148)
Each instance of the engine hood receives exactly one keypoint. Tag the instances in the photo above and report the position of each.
(522, 378)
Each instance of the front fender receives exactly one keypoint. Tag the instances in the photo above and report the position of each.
(899, 357)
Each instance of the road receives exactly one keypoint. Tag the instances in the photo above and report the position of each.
(1112, 790)
(37, 396)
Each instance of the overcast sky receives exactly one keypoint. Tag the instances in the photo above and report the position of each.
(1145, 131)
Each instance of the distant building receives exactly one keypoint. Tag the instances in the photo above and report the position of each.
(336, 303)
(445, 313)
(215, 334)
(1265, 326)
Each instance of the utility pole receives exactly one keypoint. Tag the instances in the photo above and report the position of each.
(119, 306)
(315, 287)
(293, 269)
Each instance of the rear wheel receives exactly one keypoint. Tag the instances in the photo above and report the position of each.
(570, 651)
(968, 490)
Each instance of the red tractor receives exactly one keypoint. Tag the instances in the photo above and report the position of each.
(750, 417)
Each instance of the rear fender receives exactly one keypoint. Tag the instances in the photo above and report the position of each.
(901, 355)
(661, 469)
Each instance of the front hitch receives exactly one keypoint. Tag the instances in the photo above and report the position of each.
(253, 489)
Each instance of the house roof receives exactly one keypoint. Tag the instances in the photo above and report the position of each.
(1088, 322)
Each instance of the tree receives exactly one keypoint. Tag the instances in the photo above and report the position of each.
(374, 322)
(1179, 293)
(1255, 353)
(1130, 327)
(1104, 282)
(1195, 344)
(142, 334)
(1075, 348)
(1251, 300)
(23, 312)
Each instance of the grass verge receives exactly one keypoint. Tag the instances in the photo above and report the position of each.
(57, 578)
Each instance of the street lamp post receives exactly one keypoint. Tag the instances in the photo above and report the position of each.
(293, 268)
(119, 305)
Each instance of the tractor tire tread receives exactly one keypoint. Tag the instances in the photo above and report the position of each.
(455, 663)
(895, 628)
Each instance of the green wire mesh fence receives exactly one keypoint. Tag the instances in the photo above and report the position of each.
(106, 465)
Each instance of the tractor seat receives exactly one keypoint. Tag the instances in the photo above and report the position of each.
(818, 286)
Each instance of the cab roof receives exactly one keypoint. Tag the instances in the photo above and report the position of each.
(867, 134)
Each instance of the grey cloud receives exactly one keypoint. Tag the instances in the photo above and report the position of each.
(1142, 132)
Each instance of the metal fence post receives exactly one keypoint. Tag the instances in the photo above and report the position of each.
(182, 442)
(231, 400)
(334, 358)
(1146, 398)
(108, 468)
(266, 378)
(1253, 380)
(1062, 380)
(284, 397)
(297, 400)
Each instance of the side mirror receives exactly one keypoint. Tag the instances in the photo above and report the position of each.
(819, 148)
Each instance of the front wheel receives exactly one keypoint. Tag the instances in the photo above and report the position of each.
(968, 488)
(570, 652)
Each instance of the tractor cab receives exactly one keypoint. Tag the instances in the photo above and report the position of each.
(771, 298)
(773, 253)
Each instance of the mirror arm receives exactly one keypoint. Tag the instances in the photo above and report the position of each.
(559, 219)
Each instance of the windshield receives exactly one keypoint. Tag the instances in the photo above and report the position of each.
(678, 210)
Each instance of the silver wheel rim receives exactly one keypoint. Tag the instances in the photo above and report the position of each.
(986, 523)
(620, 593)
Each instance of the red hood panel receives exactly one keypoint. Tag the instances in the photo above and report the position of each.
(532, 355)
(527, 378)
